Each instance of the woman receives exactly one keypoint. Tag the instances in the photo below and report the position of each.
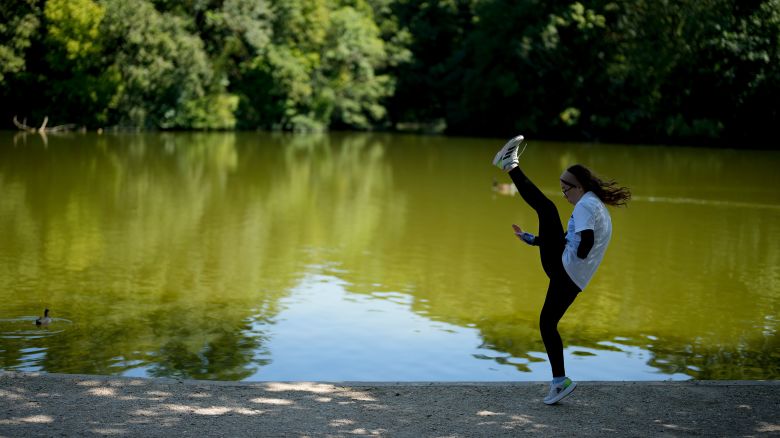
(568, 258)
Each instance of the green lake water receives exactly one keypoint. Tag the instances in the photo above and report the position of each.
(369, 257)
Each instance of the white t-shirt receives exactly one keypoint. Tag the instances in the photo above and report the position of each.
(589, 214)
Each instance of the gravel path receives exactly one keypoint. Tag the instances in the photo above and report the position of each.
(54, 405)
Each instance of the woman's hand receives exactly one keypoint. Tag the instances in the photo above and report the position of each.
(525, 237)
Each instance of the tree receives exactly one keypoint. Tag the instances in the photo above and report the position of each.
(746, 60)
(19, 23)
(76, 75)
(165, 77)
(352, 54)
(428, 82)
(691, 71)
(321, 69)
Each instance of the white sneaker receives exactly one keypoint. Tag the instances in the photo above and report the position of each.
(559, 391)
(506, 159)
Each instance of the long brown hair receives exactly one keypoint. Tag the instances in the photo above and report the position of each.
(608, 191)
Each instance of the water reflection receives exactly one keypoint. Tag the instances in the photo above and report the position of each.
(166, 249)
(371, 257)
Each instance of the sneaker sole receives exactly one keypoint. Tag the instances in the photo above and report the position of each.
(569, 389)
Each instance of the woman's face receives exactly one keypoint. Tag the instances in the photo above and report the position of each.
(571, 188)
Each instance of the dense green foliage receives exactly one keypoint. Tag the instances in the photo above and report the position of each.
(690, 71)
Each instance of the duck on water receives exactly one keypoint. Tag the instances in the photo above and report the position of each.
(44, 320)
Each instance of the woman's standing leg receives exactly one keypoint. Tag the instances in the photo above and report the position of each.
(559, 297)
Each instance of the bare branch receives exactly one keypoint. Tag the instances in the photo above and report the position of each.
(23, 126)
(59, 128)
(62, 128)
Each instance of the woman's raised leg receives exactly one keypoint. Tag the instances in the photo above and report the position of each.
(550, 237)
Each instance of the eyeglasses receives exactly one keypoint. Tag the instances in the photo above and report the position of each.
(570, 186)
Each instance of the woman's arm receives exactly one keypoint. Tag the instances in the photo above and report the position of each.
(587, 238)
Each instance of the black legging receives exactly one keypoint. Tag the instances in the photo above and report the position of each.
(561, 291)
